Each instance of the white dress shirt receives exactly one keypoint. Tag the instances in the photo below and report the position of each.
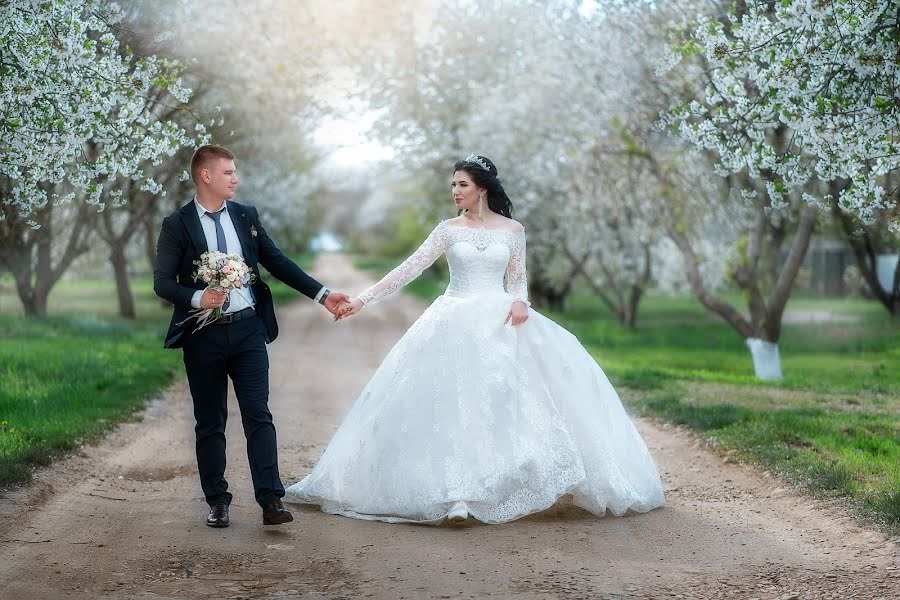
(242, 298)
(238, 299)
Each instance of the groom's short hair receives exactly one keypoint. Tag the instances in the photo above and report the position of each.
(204, 155)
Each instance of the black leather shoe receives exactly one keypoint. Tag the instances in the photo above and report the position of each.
(218, 515)
(276, 514)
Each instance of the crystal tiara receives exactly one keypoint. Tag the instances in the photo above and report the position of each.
(474, 158)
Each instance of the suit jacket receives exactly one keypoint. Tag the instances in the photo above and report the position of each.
(181, 242)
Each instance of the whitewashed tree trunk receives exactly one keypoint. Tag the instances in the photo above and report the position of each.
(766, 359)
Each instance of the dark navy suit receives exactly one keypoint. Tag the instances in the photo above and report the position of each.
(219, 352)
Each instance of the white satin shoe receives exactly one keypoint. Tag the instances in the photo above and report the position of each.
(458, 513)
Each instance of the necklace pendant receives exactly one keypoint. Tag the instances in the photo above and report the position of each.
(481, 241)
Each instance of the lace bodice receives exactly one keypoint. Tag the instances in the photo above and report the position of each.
(479, 258)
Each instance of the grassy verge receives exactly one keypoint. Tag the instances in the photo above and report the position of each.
(829, 447)
(67, 379)
(831, 427)
(678, 340)
(70, 378)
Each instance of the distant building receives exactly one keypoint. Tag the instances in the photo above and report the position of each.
(826, 263)
(827, 260)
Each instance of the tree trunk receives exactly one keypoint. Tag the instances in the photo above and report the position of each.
(33, 303)
(150, 233)
(18, 261)
(766, 358)
(637, 291)
(860, 239)
(712, 302)
(28, 254)
(34, 306)
(626, 319)
(762, 331)
(546, 295)
(785, 282)
(625, 310)
(137, 212)
(629, 315)
(123, 288)
(44, 277)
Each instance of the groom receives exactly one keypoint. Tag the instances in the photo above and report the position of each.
(235, 345)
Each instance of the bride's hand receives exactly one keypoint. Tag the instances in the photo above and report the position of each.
(518, 314)
(349, 309)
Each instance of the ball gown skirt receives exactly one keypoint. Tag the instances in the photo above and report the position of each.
(467, 408)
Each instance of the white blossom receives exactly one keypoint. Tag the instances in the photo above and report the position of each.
(76, 109)
(825, 71)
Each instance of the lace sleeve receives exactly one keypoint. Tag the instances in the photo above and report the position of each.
(433, 246)
(516, 279)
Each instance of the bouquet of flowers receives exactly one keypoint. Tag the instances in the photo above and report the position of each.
(222, 272)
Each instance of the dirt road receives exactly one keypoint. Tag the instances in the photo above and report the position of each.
(125, 519)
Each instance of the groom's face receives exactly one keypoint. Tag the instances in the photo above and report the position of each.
(221, 178)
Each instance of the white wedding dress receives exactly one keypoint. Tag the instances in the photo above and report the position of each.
(468, 409)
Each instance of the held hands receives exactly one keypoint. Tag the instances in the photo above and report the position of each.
(518, 314)
(212, 298)
(349, 309)
(335, 302)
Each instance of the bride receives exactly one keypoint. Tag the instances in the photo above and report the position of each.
(484, 407)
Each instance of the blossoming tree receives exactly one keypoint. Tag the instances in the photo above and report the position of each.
(78, 112)
(804, 98)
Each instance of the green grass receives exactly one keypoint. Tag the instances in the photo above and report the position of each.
(827, 447)
(677, 339)
(67, 379)
(831, 427)
(98, 297)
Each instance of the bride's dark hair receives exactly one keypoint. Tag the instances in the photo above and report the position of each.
(487, 178)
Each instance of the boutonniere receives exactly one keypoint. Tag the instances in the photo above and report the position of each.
(253, 230)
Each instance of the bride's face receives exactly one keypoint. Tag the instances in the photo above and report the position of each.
(465, 192)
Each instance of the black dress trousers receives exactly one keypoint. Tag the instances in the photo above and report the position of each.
(211, 356)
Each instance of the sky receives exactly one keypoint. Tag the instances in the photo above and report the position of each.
(345, 142)
(342, 136)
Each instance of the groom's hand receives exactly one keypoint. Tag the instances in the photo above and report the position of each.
(351, 308)
(212, 298)
(335, 301)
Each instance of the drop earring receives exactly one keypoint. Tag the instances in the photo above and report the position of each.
(481, 206)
